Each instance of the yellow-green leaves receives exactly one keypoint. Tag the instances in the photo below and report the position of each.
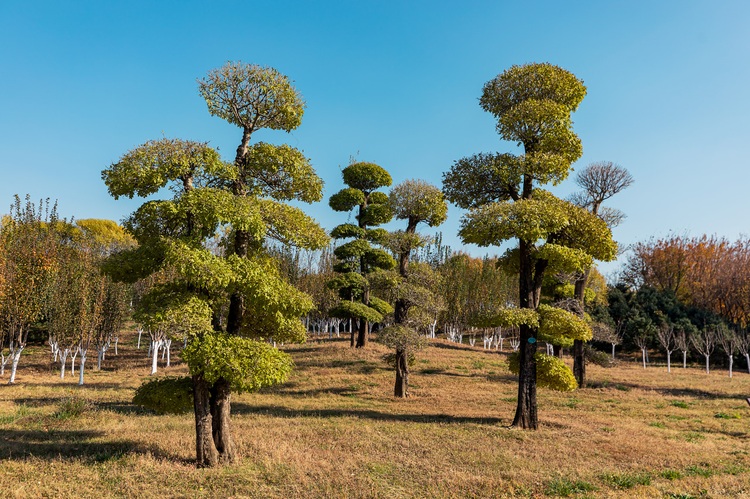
(366, 177)
(482, 179)
(551, 372)
(247, 364)
(418, 202)
(513, 317)
(556, 322)
(526, 219)
(346, 199)
(282, 172)
(252, 97)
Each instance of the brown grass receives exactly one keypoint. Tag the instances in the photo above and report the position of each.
(334, 430)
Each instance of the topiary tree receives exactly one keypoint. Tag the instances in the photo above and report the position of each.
(416, 202)
(245, 201)
(532, 104)
(357, 258)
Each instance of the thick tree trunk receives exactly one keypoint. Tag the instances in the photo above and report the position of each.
(15, 357)
(206, 454)
(81, 367)
(362, 333)
(220, 422)
(526, 410)
(402, 374)
(579, 357)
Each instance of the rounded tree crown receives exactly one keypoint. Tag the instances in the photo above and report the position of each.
(252, 97)
(418, 201)
(366, 176)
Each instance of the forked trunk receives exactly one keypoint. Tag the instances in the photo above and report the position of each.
(402, 374)
(206, 454)
(220, 420)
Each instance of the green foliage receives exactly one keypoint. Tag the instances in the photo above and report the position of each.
(366, 177)
(481, 179)
(344, 231)
(356, 310)
(245, 363)
(418, 201)
(400, 337)
(166, 395)
(382, 307)
(346, 200)
(233, 93)
(563, 487)
(627, 480)
(556, 322)
(282, 173)
(551, 372)
(72, 407)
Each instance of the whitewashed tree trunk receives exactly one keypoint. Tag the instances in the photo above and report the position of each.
(81, 367)
(613, 351)
(155, 348)
(116, 340)
(669, 363)
(643, 354)
(3, 360)
(63, 357)
(684, 359)
(731, 361)
(74, 354)
(706, 363)
(140, 332)
(167, 347)
(747, 358)
(15, 356)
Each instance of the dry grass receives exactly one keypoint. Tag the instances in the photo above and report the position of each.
(334, 430)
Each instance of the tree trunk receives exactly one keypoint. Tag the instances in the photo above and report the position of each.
(526, 410)
(731, 361)
(15, 357)
(155, 356)
(706, 364)
(684, 360)
(81, 367)
(220, 422)
(579, 363)
(402, 374)
(613, 351)
(747, 359)
(643, 354)
(362, 333)
(669, 361)
(63, 357)
(206, 454)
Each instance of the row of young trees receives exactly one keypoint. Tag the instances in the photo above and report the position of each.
(50, 275)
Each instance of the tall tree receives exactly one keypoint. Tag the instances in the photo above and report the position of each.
(532, 104)
(245, 200)
(357, 258)
(417, 202)
(599, 181)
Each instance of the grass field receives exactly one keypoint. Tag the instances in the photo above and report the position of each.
(334, 430)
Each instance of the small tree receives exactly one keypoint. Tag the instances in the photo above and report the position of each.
(743, 345)
(704, 341)
(729, 342)
(682, 342)
(357, 258)
(666, 337)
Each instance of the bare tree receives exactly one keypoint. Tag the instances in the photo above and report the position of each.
(704, 341)
(642, 341)
(743, 345)
(604, 333)
(665, 335)
(682, 341)
(729, 342)
(599, 181)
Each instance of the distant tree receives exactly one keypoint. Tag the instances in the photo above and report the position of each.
(682, 332)
(704, 341)
(599, 181)
(532, 104)
(357, 258)
(729, 342)
(666, 336)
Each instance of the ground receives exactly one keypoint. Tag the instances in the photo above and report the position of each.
(334, 430)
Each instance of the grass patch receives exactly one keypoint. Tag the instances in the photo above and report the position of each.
(671, 474)
(71, 407)
(657, 424)
(680, 404)
(627, 480)
(563, 487)
(622, 388)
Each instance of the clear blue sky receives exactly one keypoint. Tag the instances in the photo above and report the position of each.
(391, 82)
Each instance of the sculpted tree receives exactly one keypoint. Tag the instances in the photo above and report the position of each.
(357, 258)
(245, 201)
(599, 181)
(532, 104)
(416, 202)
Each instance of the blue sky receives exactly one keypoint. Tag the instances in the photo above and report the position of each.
(395, 83)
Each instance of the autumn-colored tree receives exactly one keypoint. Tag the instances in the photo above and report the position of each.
(532, 104)
(357, 258)
(30, 244)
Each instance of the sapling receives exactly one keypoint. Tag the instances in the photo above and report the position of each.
(642, 341)
(704, 341)
(743, 345)
(665, 335)
(729, 343)
(682, 342)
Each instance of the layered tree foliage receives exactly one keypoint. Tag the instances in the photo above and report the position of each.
(417, 202)
(244, 202)
(532, 105)
(357, 258)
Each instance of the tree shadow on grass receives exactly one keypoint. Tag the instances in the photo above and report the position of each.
(285, 412)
